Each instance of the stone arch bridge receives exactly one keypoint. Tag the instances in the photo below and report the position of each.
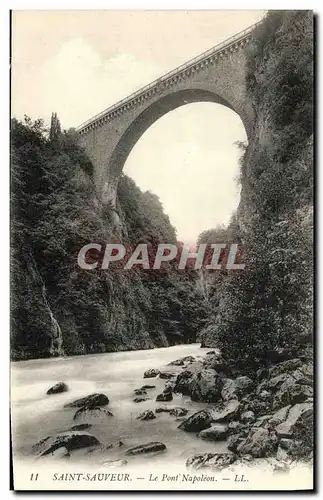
(217, 75)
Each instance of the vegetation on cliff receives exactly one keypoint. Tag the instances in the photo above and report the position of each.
(58, 308)
(268, 305)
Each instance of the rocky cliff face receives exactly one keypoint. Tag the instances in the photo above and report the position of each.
(269, 304)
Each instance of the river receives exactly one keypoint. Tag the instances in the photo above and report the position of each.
(36, 415)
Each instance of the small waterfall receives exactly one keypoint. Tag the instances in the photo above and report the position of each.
(57, 341)
(57, 337)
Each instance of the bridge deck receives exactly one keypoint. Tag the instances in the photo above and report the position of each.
(149, 89)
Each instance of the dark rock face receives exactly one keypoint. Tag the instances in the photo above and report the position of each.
(259, 443)
(72, 440)
(183, 383)
(216, 432)
(224, 412)
(297, 416)
(213, 461)
(237, 388)
(146, 415)
(292, 393)
(247, 416)
(140, 399)
(170, 384)
(95, 413)
(182, 361)
(285, 366)
(197, 422)
(206, 386)
(89, 401)
(178, 412)
(153, 446)
(151, 373)
(58, 388)
(147, 386)
(140, 392)
(165, 374)
(164, 396)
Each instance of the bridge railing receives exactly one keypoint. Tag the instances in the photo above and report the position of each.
(216, 48)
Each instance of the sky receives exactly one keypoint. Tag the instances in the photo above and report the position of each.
(78, 63)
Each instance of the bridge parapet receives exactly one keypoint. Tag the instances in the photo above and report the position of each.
(182, 72)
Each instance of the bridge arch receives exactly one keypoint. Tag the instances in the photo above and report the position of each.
(218, 75)
(155, 111)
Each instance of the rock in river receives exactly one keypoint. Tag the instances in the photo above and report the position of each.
(226, 412)
(90, 401)
(217, 432)
(197, 422)
(72, 440)
(58, 388)
(151, 373)
(206, 386)
(212, 461)
(146, 415)
(164, 396)
(178, 412)
(140, 399)
(153, 446)
(89, 414)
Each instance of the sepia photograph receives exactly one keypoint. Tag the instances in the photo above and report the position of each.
(161, 250)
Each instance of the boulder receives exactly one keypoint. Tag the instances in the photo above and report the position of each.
(233, 441)
(178, 412)
(247, 417)
(140, 392)
(146, 415)
(259, 443)
(235, 426)
(97, 414)
(197, 422)
(140, 399)
(114, 464)
(148, 386)
(225, 412)
(170, 384)
(285, 367)
(58, 388)
(262, 421)
(291, 393)
(182, 361)
(163, 409)
(90, 401)
(164, 396)
(206, 386)
(307, 369)
(276, 382)
(280, 416)
(236, 388)
(183, 382)
(213, 461)
(217, 432)
(299, 416)
(153, 446)
(71, 440)
(166, 374)
(151, 373)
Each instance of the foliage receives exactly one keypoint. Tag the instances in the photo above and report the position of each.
(269, 304)
(55, 212)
